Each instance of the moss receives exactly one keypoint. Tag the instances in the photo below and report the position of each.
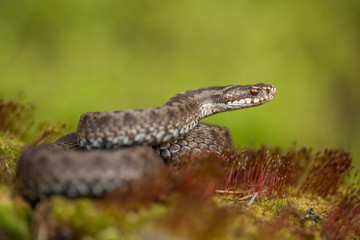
(15, 214)
(15, 218)
(9, 152)
(88, 219)
(187, 210)
(16, 124)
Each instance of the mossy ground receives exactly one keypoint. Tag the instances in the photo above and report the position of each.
(301, 194)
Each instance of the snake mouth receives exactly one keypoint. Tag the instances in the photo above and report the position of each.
(256, 96)
(237, 97)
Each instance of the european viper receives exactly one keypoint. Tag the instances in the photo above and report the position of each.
(111, 148)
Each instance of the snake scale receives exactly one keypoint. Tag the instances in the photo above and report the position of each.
(111, 148)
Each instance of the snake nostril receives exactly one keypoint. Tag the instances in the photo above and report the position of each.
(254, 91)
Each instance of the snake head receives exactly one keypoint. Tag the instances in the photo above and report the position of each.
(244, 96)
(221, 99)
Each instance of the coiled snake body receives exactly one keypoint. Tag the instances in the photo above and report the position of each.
(112, 148)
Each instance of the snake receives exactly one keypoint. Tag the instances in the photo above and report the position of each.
(112, 148)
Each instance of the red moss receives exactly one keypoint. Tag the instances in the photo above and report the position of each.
(45, 133)
(16, 120)
(265, 170)
(194, 178)
(270, 171)
(328, 172)
(197, 220)
(344, 220)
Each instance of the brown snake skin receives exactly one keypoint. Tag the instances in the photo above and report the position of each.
(112, 148)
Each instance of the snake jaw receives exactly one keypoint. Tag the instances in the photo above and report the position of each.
(238, 97)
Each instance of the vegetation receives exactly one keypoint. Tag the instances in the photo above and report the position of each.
(248, 194)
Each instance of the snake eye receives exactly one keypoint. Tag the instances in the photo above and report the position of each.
(254, 91)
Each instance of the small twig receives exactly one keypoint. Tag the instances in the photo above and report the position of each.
(233, 192)
(8, 168)
(246, 197)
(252, 197)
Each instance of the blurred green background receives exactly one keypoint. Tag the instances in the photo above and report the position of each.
(70, 57)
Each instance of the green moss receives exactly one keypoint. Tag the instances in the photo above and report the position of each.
(9, 152)
(280, 218)
(94, 220)
(14, 213)
(15, 218)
